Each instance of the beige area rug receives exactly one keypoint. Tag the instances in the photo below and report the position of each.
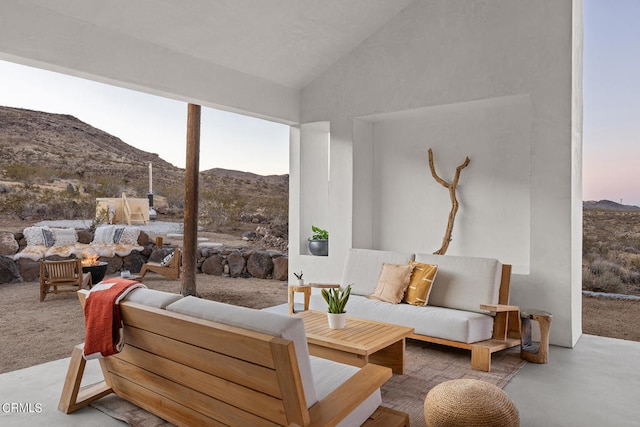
(427, 365)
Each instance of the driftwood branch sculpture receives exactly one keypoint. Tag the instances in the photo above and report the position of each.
(451, 186)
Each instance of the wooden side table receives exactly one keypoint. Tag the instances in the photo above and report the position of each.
(532, 351)
(306, 290)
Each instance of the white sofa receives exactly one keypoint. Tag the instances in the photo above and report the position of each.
(452, 315)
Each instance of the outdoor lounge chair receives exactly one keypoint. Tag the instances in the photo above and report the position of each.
(170, 270)
(62, 276)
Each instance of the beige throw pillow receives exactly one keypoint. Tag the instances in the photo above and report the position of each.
(421, 283)
(392, 283)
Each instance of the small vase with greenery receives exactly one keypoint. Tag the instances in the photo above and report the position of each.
(299, 278)
(336, 299)
(319, 241)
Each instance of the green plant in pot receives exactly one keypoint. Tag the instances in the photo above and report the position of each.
(319, 241)
(336, 299)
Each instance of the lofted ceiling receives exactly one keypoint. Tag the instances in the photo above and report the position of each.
(286, 42)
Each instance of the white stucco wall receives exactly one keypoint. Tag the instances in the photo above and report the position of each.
(488, 79)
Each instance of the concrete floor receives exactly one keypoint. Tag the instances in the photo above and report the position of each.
(596, 383)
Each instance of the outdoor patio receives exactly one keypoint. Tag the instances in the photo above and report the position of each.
(593, 384)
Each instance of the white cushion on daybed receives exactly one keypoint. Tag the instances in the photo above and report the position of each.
(445, 323)
(328, 375)
(362, 268)
(152, 298)
(281, 325)
(464, 283)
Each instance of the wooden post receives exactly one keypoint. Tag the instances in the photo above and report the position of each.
(191, 201)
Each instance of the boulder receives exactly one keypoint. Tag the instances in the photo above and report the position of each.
(213, 265)
(133, 262)
(84, 236)
(280, 268)
(115, 264)
(236, 263)
(260, 264)
(29, 269)
(143, 238)
(9, 272)
(8, 243)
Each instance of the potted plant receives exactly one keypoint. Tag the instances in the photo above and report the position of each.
(319, 241)
(336, 299)
(299, 278)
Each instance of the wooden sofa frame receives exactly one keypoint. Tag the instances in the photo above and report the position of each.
(506, 328)
(191, 371)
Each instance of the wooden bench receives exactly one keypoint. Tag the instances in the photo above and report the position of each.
(191, 371)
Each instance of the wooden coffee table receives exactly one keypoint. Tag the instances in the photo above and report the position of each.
(360, 342)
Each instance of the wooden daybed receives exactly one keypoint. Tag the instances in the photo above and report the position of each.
(192, 371)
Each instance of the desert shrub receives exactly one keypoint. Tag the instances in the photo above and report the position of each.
(606, 282)
(601, 266)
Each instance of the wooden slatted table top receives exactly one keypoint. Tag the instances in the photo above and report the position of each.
(359, 336)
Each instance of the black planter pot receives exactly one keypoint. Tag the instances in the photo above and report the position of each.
(97, 271)
(319, 247)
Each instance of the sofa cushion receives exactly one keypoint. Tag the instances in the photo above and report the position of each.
(363, 266)
(152, 298)
(464, 282)
(104, 234)
(35, 236)
(328, 375)
(281, 325)
(420, 284)
(392, 283)
(129, 236)
(446, 323)
(64, 236)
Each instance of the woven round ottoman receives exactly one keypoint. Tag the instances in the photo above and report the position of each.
(467, 402)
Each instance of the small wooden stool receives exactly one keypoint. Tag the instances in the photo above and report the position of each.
(305, 289)
(532, 351)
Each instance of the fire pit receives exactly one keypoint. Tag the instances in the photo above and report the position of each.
(98, 269)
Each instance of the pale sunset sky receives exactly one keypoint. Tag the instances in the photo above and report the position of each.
(611, 137)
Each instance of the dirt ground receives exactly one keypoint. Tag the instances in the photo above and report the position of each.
(36, 332)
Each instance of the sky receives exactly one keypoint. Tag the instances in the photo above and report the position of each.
(151, 123)
(611, 125)
(611, 129)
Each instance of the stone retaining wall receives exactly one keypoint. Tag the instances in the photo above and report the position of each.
(223, 261)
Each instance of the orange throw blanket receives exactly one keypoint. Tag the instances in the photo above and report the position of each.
(104, 327)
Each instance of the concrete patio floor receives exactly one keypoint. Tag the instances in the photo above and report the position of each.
(596, 383)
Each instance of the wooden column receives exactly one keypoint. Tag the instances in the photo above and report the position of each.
(191, 201)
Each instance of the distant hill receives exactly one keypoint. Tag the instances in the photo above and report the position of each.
(60, 141)
(608, 205)
(58, 152)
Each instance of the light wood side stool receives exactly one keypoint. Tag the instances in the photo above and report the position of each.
(305, 289)
(532, 351)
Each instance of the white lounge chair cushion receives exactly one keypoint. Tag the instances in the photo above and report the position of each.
(281, 325)
(363, 266)
(153, 298)
(464, 283)
(328, 375)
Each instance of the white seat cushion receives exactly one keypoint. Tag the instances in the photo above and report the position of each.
(445, 323)
(280, 325)
(328, 375)
(152, 298)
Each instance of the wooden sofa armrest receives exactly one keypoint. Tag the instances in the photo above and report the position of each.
(343, 400)
(324, 285)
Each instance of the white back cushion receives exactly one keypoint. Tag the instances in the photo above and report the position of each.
(363, 266)
(464, 283)
(280, 325)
